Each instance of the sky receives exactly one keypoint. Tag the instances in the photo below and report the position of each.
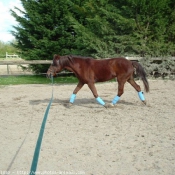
(6, 20)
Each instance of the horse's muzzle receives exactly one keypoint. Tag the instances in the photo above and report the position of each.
(49, 75)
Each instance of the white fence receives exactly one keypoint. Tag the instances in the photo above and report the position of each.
(10, 55)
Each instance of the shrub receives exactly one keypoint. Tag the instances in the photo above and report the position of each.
(163, 67)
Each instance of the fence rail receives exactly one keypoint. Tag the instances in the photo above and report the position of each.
(19, 62)
(24, 62)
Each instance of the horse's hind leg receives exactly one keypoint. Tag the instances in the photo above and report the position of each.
(137, 88)
(134, 84)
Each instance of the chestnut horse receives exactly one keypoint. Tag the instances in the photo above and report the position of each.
(89, 71)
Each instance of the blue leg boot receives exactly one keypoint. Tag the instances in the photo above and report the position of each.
(142, 97)
(72, 98)
(115, 100)
(100, 101)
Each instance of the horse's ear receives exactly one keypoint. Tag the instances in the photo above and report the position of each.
(56, 57)
(56, 60)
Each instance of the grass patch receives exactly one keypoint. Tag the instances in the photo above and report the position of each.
(35, 79)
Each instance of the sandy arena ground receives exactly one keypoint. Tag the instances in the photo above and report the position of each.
(13, 70)
(130, 139)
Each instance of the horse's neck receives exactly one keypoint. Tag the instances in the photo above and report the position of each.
(70, 66)
(73, 66)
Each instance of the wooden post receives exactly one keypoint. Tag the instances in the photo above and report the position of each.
(7, 69)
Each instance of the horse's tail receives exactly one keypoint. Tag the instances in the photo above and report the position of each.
(141, 72)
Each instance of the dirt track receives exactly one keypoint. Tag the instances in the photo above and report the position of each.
(88, 139)
(13, 70)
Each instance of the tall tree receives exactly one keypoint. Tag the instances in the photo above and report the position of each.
(150, 21)
(170, 39)
(98, 23)
(98, 28)
(44, 29)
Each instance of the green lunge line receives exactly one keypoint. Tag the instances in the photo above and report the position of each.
(39, 141)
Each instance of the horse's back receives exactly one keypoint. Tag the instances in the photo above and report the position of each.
(123, 65)
(120, 63)
(106, 69)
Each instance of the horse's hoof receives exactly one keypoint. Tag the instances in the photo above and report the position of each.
(144, 102)
(69, 105)
(105, 106)
(110, 105)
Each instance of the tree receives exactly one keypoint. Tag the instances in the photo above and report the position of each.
(44, 29)
(97, 28)
(170, 39)
(92, 29)
(150, 22)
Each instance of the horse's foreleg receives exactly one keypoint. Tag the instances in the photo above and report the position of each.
(73, 96)
(94, 91)
(120, 91)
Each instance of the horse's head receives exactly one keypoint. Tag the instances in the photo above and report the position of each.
(55, 67)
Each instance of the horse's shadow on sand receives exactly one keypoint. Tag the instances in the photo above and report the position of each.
(61, 101)
(79, 102)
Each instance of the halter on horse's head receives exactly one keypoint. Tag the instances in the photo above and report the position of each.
(54, 67)
(59, 63)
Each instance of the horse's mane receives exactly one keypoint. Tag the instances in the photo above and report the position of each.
(67, 59)
(81, 57)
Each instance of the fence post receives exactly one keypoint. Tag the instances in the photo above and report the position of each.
(7, 69)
